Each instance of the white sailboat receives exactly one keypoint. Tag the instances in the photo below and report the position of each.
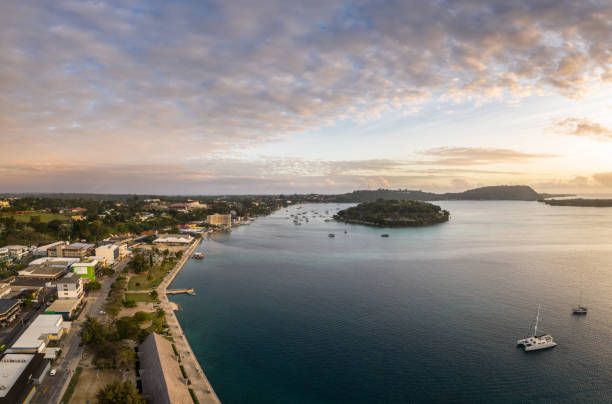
(536, 341)
(580, 309)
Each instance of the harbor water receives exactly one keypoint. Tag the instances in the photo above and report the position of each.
(285, 314)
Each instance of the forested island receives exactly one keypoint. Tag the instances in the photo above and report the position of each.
(581, 202)
(393, 213)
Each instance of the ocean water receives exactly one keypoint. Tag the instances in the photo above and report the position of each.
(285, 314)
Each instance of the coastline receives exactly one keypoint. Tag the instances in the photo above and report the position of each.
(199, 382)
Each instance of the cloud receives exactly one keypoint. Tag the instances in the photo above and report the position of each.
(159, 80)
(458, 156)
(604, 178)
(581, 127)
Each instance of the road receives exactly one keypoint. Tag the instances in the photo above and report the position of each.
(51, 389)
(199, 383)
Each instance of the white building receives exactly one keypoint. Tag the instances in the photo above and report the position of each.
(44, 328)
(173, 239)
(109, 252)
(70, 287)
(17, 251)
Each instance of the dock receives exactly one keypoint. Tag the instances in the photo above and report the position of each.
(189, 291)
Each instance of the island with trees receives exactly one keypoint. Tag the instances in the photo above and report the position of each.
(393, 213)
(580, 202)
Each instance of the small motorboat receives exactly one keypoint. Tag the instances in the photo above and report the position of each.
(384, 235)
(198, 256)
(331, 235)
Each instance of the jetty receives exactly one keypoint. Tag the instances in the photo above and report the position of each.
(189, 291)
(199, 383)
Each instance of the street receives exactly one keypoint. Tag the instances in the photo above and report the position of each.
(51, 389)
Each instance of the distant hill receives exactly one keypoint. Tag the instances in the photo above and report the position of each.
(493, 193)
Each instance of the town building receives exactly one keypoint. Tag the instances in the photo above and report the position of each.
(5, 290)
(218, 219)
(19, 375)
(109, 252)
(5, 256)
(44, 328)
(162, 381)
(172, 241)
(17, 251)
(67, 308)
(86, 270)
(42, 251)
(9, 311)
(77, 250)
(70, 287)
(42, 272)
(5, 204)
(55, 262)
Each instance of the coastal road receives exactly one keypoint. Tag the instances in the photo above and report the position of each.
(52, 388)
(199, 383)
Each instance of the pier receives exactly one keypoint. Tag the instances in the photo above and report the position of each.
(189, 291)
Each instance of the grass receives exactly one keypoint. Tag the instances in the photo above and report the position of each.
(193, 397)
(44, 217)
(71, 386)
(142, 281)
(183, 371)
(139, 297)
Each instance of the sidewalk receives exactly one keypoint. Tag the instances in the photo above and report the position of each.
(199, 383)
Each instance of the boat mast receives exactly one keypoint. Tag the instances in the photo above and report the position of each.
(535, 330)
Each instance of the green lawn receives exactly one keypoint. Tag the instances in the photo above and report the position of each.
(141, 281)
(138, 297)
(44, 217)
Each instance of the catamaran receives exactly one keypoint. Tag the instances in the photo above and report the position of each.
(536, 341)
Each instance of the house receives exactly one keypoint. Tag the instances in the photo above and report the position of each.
(19, 373)
(70, 287)
(44, 328)
(9, 310)
(109, 252)
(162, 381)
(86, 270)
(5, 256)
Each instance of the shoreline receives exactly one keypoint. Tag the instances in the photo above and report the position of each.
(199, 382)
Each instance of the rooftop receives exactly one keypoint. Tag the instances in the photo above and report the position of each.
(11, 367)
(7, 304)
(70, 278)
(54, 261)
(37, 271)
(34, 337)
(63, 306)
(92, 263)
(79, 246)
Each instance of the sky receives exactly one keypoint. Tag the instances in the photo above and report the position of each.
(283, 96)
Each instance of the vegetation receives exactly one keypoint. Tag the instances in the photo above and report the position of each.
(114, 300)
(393, 214)
(119, 392)
(193, 396)
(93, 286)
(139, 297)
(592, 203)
(71, 386)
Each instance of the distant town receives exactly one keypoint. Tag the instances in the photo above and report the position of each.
(83, 295)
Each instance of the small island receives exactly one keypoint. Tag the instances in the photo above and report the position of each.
(393, 213)
(589, 203)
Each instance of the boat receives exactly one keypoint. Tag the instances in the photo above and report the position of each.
(198, 256)
(537, 342)
(580, 309)
(384, 235)
(331, 235)
(345, 231)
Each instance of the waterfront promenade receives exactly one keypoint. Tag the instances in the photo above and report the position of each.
(199, 383)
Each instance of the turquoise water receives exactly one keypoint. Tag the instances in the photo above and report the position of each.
(285, 314)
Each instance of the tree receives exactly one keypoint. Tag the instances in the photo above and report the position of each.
(154, 295)
(93, 286)
(119, 393)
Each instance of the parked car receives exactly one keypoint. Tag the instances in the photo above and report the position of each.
(52, 372)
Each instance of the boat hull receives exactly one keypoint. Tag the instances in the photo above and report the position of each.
(537, 343)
